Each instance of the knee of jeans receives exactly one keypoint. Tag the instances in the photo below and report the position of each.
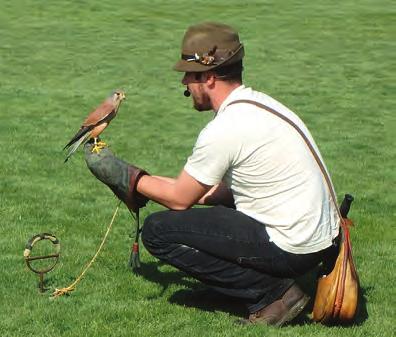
(151, 229)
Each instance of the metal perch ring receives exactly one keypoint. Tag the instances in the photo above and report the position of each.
(55, 255)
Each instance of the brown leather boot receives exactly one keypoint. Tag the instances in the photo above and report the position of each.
(283, 310)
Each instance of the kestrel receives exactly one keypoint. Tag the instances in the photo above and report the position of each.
(95, 123)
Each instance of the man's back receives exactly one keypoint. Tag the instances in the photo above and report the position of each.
(270, 170)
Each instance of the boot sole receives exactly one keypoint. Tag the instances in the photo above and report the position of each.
(294, 311)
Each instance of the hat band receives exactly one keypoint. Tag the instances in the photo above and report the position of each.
(204, 60)
(213, 57)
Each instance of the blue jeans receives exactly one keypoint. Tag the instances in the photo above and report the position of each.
(228, 251)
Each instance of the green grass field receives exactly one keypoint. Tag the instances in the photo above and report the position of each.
(329, 61)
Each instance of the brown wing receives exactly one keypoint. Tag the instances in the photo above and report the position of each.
(101, 112)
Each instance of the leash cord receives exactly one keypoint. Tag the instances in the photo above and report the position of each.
(71, 287)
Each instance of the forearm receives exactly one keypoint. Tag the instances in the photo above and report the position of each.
(219, 194)
(204, 200)
(180, 193)
(167, 179)
(161, 190)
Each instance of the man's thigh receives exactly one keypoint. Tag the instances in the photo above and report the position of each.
(219, 231)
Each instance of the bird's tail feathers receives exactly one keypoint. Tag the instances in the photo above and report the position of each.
(77, 136)
(74, 146)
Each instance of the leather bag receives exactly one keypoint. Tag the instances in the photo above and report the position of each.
(337, 293)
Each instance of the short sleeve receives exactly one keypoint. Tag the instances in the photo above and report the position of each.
(211, 156)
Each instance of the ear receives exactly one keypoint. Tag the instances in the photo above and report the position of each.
(210, 79)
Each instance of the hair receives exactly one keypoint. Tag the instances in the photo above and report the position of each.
(231, 72)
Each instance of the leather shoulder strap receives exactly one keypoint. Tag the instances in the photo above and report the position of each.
(307, 142)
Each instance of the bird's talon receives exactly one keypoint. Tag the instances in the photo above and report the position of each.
(95, 149)
(98, 147)
(101, 144)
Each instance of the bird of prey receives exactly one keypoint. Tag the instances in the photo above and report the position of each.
(95, 123)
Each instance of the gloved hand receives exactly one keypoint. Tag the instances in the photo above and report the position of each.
(121, 177)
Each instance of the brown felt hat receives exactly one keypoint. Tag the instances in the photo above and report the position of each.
(207, 46)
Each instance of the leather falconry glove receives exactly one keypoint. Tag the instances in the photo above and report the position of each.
(119, 176)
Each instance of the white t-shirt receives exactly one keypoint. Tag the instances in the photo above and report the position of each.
(270, 171)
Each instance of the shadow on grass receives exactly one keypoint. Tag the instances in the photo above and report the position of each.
(308, 284)
(197, 296)
(209, 300)
(201, 297)
(362, 314)
(150, 272)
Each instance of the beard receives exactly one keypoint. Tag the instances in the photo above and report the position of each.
(201, 100)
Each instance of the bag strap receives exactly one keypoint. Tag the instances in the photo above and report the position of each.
(310, 146)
